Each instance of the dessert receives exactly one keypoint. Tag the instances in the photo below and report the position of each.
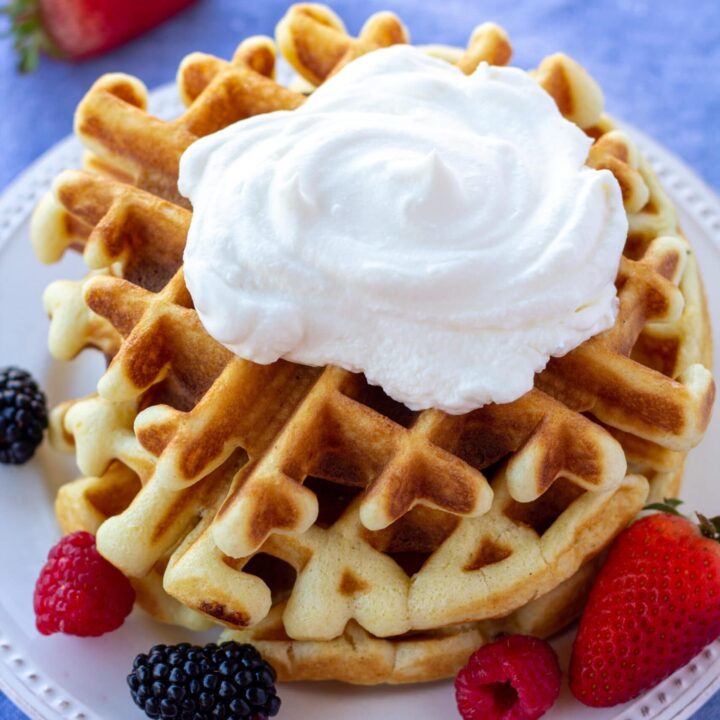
(341, 532)
(374, 228)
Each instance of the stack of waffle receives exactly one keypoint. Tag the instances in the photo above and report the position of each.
(344, 535)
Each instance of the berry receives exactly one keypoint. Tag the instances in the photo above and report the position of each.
(80, 28)
(187, 682)
(23, 416)
(514, 678)
(79, 592)
(654, 606)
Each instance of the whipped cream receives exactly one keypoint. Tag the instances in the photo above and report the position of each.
(438, 232)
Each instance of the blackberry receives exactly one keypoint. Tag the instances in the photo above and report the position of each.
(23, 416)
(187, 682)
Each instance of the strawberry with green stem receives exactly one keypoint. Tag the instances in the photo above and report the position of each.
(654, 606)
(76, 29)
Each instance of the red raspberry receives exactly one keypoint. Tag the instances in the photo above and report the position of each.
(515, 678)
(79, 592)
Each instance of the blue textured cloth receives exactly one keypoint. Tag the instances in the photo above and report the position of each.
(658, 62)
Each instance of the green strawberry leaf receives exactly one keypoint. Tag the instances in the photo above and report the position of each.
(27, 30)
(668, 505)
(709, 527)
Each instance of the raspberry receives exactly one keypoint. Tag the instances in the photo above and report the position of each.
(187, 682)
(23, 416)
(79, 592)
(515, 678)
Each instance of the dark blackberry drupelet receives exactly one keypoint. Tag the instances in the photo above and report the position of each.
(23, 416)
(187, 682)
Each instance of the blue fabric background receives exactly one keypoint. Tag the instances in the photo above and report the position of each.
(658, 62)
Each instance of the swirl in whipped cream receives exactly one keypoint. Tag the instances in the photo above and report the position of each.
(438, 232)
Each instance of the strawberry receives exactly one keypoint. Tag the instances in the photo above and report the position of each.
(654, 606)
(76, 29)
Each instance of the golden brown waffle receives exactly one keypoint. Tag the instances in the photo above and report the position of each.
(127, 143)
(359, 658)
(355, 656)
(303, 504)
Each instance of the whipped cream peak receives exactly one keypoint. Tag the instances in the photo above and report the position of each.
(439, 232)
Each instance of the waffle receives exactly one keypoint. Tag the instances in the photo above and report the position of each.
(303, 509)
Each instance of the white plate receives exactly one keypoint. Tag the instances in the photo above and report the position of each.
(80, 679)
